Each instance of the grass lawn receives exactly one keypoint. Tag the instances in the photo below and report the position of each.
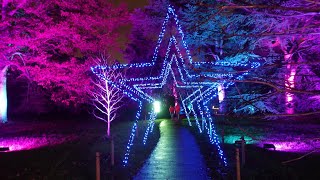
(73, 157)
(263, 164)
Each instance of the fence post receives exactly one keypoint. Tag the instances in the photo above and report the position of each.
(243, 152)
(238, 164)
(97, 166)
(112, 152)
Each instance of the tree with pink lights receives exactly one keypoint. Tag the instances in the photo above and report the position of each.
(106, 98)
(55, 40)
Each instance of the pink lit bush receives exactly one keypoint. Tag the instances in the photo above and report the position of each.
(28, 143)
(294, 145)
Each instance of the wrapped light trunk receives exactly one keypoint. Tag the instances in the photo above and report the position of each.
(289, 84)
(3, 95)
(221, 96)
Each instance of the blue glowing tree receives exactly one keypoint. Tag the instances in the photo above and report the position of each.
(282, 32)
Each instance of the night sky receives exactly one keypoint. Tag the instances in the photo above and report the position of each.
(132, 3)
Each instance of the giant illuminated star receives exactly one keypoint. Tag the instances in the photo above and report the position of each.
(139, 87)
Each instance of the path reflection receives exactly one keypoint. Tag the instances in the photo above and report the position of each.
(176, 156)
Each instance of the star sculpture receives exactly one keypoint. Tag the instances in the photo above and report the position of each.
(139, 88)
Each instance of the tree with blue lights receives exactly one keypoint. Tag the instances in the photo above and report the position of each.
(282, 32)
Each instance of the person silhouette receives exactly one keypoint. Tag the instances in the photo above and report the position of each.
(171, 110)
(177, 110)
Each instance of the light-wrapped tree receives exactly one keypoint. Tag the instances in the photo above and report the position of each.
(106, 98)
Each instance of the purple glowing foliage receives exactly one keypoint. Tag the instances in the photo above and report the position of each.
(28, 143)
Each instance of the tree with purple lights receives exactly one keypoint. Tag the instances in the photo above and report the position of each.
(145, 28)
(55, 40)
(106, 98)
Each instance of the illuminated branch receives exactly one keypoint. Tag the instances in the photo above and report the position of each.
(105, 97)
(259, 6)
(268, 84)
(296, 159)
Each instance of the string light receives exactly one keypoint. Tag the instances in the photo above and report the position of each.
(150, 127)
(137, 88)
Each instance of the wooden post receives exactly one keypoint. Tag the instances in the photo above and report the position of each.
(97, 166)
(238, 164)
(243, 158)
(112, 152)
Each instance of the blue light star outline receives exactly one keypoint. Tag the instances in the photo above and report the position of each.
(204, 90)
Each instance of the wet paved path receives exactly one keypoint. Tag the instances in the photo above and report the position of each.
(176, 156)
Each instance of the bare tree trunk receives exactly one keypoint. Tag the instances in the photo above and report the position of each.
(3, 95)
(108, 131)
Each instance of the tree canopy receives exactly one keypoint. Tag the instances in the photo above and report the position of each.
(52, 42)
(285, 33)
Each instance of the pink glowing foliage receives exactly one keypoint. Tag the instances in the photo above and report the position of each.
(52, 43)
(28, 143)
(293, 146)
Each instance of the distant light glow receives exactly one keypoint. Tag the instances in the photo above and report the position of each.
(156, 106)
(221, 93)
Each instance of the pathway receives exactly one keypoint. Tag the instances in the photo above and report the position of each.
(176, 156)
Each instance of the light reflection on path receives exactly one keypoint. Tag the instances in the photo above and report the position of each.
(176, 156)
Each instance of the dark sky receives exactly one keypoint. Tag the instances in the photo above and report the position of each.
(132, 3)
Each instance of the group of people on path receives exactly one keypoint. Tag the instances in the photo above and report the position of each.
(175, 111)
